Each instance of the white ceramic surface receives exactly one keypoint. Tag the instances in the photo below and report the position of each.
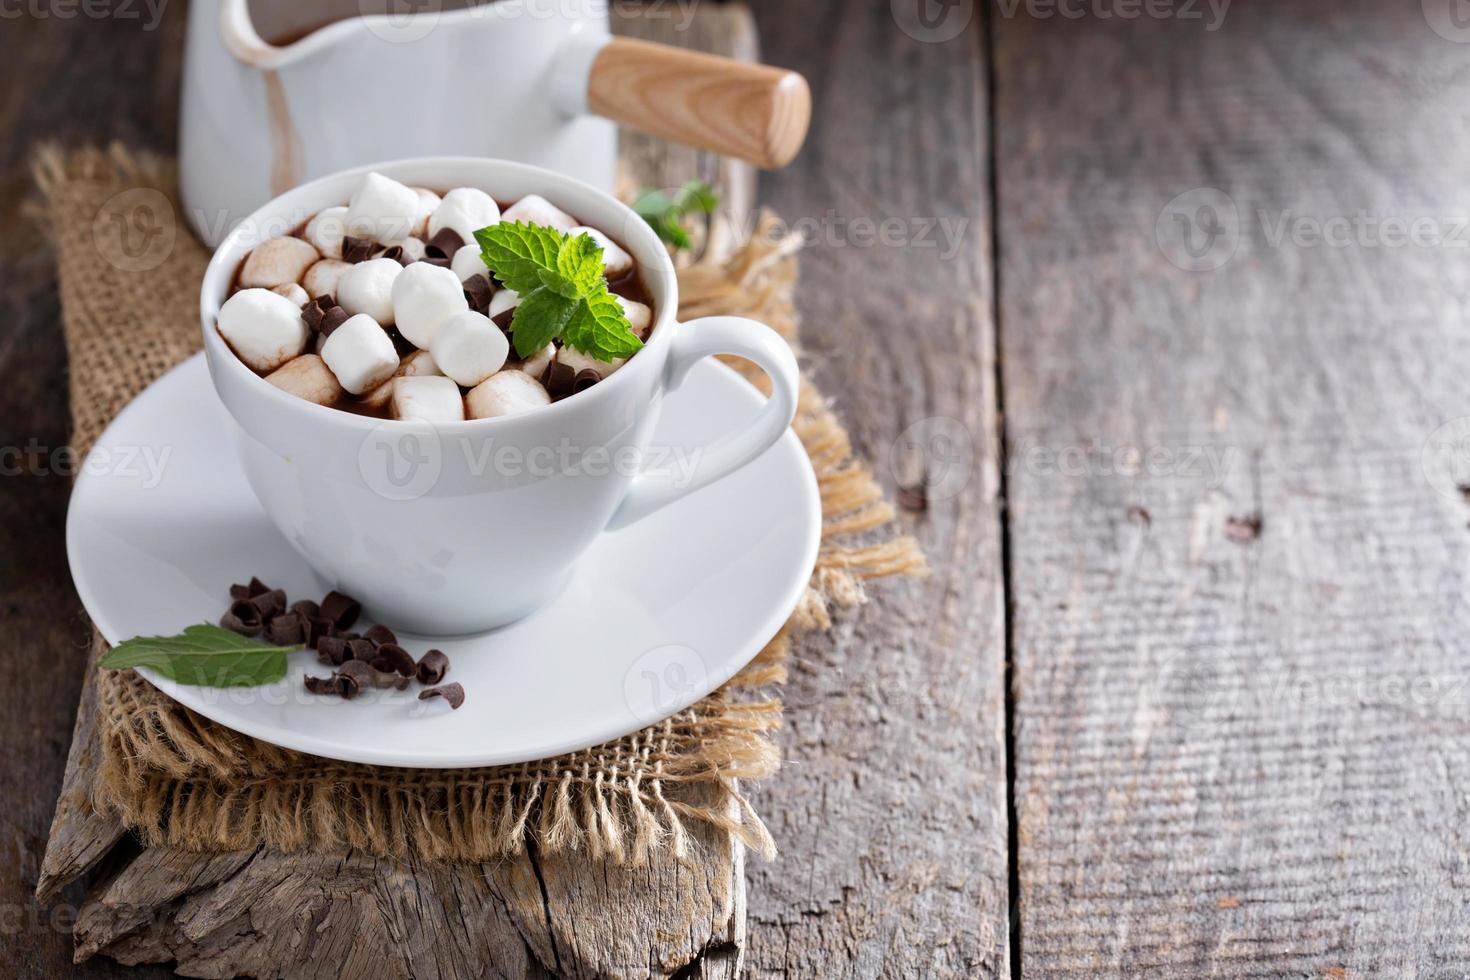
(465, 526)
(657, 614)
(504, 79)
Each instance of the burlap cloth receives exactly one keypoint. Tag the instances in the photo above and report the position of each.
(129, 281)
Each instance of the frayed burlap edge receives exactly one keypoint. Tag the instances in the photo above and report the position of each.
(176, 778)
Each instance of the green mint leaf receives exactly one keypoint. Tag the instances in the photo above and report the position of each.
(599, 328)
(696, 197)
(203, 655)
(518, 253)
(580, 260)
(541, 317)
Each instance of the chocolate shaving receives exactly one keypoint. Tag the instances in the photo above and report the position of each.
(453, 693)
(331, 650)
(503, 318)
(316, 310)
(361, 649)
(443, 245)
(366, 675)
(432, 668)
(242, 617)
(391, 656)
(324, 685)
(558, 378)
(306, 609)
(380, 635)
(269, 604)
(340, 610)
(238, 592)
(357, 249)
(585, 378)
(331, 320)
(257, 587)
(435, 260)
(477, 292)
(397, 254)
(286, 629)
(317, 630)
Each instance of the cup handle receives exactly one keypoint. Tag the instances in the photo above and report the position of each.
(693, 342)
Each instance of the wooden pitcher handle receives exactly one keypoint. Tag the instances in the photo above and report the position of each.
(754, 112)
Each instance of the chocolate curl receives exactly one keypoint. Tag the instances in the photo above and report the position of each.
(503, 318)
(332, 650)
(306, 609)
(242, 617)
(557, 379)
(397, 254)
(391, 656)
(477, 292)
(324, 685)
(357, 249)
(366, 675)
(453, 693)
(238, 592)
(443, 245)
(379, 635)
(340, 610)
(316, 310)
(286, 630)
(432, 668)
(361, 649)
(269, 604)
(584, 379)
(331, 320)
(318, 630)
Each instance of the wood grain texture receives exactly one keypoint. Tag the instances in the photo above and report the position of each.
(890, 809)
(1239, 605)
(258, 913)
(757, 113)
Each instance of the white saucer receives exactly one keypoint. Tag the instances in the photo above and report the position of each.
(656, 616)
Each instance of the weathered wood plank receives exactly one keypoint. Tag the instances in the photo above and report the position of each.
(890, 810)
(1240, 655)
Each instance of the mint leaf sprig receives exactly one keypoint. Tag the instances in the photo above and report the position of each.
(203, 655)
(562, 287)
(666, 214)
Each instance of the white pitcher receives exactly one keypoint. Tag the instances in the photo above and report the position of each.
(277, 92)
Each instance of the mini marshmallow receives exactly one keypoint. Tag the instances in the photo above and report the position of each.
(419, 364)
(428, 399)
(505, 299)
(467, 263)
(360, 354)
(382, 209)
(322, 278)
(464, 210)
(293, 292)
(535, 365)
(538, 210)
(264, 329)
(469, 348)
(424, 296)
(326, 230)
(367, 287)
(414, 248)
(615, 261)
(428, 201)
(307, 377)
(506, 393)
(640, 317)
(277, 261)
(578, 361)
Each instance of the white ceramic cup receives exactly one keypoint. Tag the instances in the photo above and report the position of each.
(466, 526)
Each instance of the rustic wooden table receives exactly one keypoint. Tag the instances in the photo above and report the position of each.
(1174, 302)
